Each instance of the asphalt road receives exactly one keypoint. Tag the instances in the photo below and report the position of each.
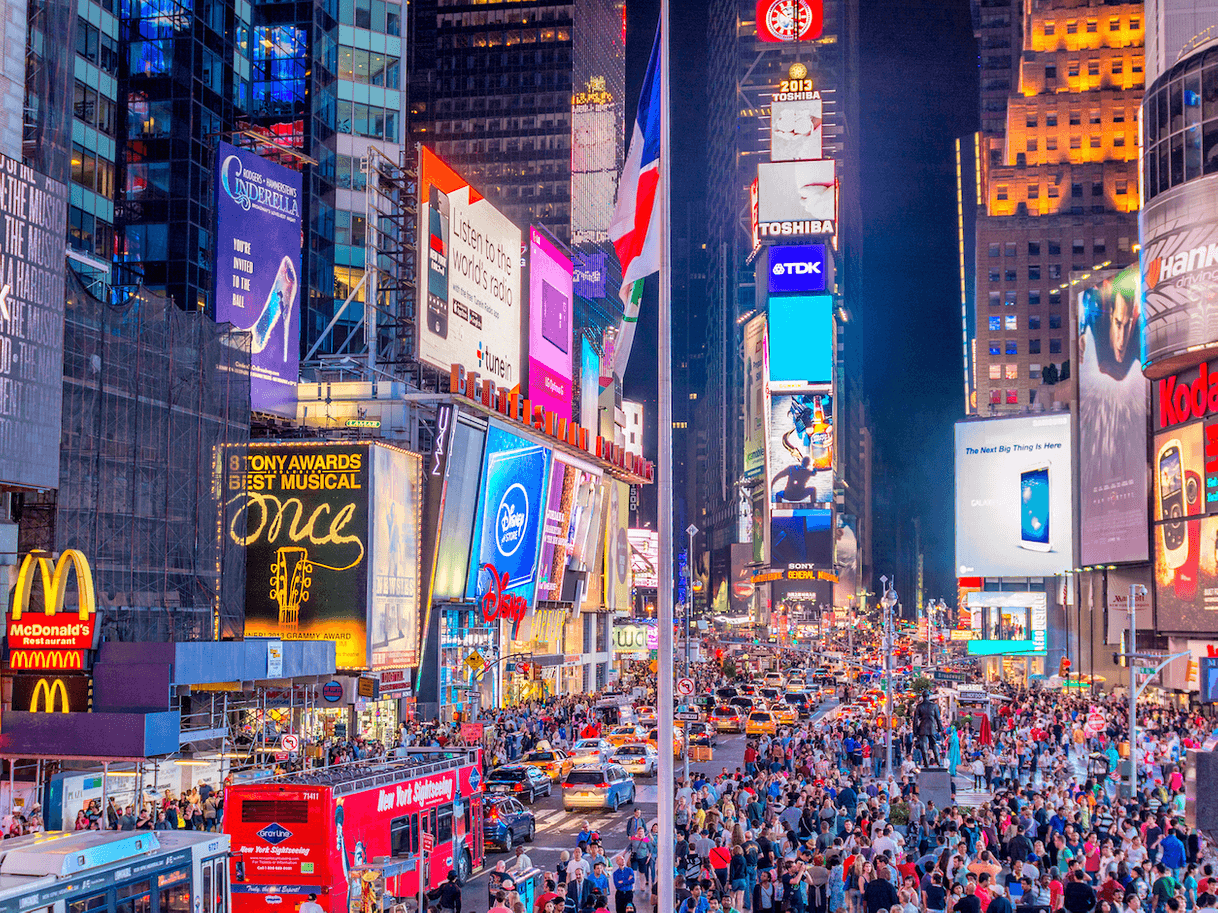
(557, 829)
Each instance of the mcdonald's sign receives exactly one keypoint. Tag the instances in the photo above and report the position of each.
(51, 638)
(51, 693)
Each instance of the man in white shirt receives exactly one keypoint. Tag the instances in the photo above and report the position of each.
(311, 905)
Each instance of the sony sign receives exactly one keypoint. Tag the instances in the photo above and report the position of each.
(798, 269)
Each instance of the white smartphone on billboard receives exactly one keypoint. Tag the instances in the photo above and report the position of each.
(1034, 505)
(1170, 467)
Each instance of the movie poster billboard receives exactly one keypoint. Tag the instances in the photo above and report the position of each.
(846, 560)
(550, 353)
(645, 556)
(552, 561)
(300, 511)
(507, 525)
(801, 449)
(257, 270)
(617, 548)
(473, 309)
(755, 374)
(1114, 397)
(1014, 489)
(394, 610)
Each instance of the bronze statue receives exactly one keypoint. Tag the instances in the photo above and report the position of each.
(928, 730)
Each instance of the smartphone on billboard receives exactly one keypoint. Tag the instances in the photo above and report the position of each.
(437, 263)
(1171, 503)
(1187, 572)
(1034, 508)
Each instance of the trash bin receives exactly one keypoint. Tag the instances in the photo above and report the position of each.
(528, 884)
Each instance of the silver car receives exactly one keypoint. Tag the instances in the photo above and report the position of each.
(638, 758)
(606, 786)
(590, 751)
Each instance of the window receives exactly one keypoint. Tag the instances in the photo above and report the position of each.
(1079, 247)
(1076, 191)
(1034, 371)
(1031, 145)
(1031, 120)
(1118, 67)
(995, 397)
(1076, 142)
(444, 824)
(995, 299)
(87, 40)
(1123, 244)
(1012, 347)
(1095, 142)
(995, 349)
(1097, 188)
(1055, 271)
(1055, 296)
(1118, 140)
(1114, 24)
(1011, 372)
(1055, 321)
(1002, 191)
(995, 275)
(1009, 248)
(1055, 347)
(1034, 298)
(1093, 25)
(1095, 116)
(1033, 248)
(995, 250)
(1071, 27)
(1050, 71)
(1099, 247)
(1034, 272)
(1050, 29)
(1011, 322)
(1012, 299)
(995, 324)
(1050, 120)
(1075, 118)
(403, 835)
(1013, 397)
(1072, 69)
(1010, 276)
(1134, 23)
(1093, 69)
(1033, 346)
(995, 372)
(1034, 322)
(1055, 249)
(1051, 146)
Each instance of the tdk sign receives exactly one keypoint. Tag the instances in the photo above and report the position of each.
(798, 269)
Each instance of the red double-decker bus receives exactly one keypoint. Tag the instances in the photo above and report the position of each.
(303, 833)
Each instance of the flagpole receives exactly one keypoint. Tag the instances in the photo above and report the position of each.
(665, 659)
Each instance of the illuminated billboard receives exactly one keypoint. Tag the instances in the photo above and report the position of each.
(508, 522)
(393, 614)
(645, 556)
(800, 341)
(1014, 485)
(550, 355)
(796, 126)
(301, 513)
(796, 199)
(798, 269)
(257, 274)
(35, 210)
(552, 561)
(617, 548)
(473, 310)
(801, 536)
(800, 471)
(1008, 623)
(589, 385)
(754, 397)
(846, 560)
(790, 20)
(1113, 401)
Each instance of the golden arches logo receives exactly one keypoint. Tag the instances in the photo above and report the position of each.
(47, 659)
(49, 689)
(54, 583)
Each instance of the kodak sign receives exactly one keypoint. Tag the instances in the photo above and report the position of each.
(1187, 396)
(48, 637)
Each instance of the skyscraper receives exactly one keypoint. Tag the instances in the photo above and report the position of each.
(1059, 190)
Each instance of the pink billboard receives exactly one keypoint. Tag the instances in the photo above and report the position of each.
(550, 291)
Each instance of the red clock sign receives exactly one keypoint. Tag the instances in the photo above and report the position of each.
(776, 20)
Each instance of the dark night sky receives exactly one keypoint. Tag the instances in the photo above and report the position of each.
(918, 92)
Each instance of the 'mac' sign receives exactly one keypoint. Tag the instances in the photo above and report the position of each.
(511, 404)
(50, 638)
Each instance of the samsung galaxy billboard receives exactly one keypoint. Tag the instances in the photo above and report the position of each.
(257, 270)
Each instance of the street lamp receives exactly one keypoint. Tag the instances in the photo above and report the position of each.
(690, 531)
(888, 601)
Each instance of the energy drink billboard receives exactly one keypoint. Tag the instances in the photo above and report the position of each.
(257, 270)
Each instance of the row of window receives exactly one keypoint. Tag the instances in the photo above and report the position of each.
(1011, 322)
(1011, 299)
(368, 67)
(1093, 68)
(1121, 188)
(1095, 116)
(89, 234)
(1011, 398)
(520, 15)
(374, 15)
(93, 108)
(1095, 141)
(1012, 347)
(1011, 372)
(1078, 247)
(1181, 118)
(367, 120)
(91, 172)
(1093, 25)
(95, 46)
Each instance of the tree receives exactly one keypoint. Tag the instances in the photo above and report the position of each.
(729, 668)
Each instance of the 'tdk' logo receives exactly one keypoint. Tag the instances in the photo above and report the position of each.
(274, 834)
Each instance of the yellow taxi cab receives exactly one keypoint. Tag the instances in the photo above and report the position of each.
(625, 735)
(678, 740)
(553, 762)
(727, 718)
(760, 722)
(785, 713)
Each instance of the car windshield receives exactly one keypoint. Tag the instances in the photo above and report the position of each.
(587, 745)
(631, 750)
(724, 711)
(539, 756)
(759, 717)
(586, 776)
(507, 773)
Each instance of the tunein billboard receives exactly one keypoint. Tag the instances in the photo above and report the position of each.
(797, 269)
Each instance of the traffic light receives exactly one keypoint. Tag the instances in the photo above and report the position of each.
(1063, 667)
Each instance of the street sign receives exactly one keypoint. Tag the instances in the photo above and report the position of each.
(1146, 670)
(688, 717)
(281, 756)
(475, 660)
(428, 842)
(685, 686)
(290, 742)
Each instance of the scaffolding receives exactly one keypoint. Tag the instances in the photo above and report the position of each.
(152, 396)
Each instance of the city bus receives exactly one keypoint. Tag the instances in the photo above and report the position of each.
(115, 872)
(305, 833)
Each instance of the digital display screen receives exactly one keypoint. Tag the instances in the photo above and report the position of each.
(1034, 494)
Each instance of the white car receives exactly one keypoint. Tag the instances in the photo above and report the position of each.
(638, 758)
(590, 751)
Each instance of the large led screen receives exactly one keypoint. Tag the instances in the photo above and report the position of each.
(1014, 484)
(589, 385)
(796, 199)
(798, 269)
(258, 270)
(800, 472)
(801, 537)
(800, 341)
(796, 127)
(473, 310)
(552, 563)
(1113, 401)
(754, 396)
(644, 557)
(507, 526)
(550, 354)
(31, 325)
(301, 513)
(617, 548)
(394, 604)
(1008, 622)
(846, 560)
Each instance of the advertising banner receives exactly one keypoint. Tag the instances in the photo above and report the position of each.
(257, 274)
(790, 20)
(796, 199)
(589, 274)
(507, 529)
(552, 563)
(846, 560)
(798, 269)
(1179, 258)
(473, 313)
(589, 385)
(632, 638)
(800, 346)
(617, 548)
(796, 126)
(462, 472)
(1007, 622)
(394, 613)
(801, 537)
(754, 396)
(740, 593)
(301, 513)
(550, 355)
(801, 449)
(32, 265)
(1113, 401)
(1119, 581)
(645, 556)
(1014, 483)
